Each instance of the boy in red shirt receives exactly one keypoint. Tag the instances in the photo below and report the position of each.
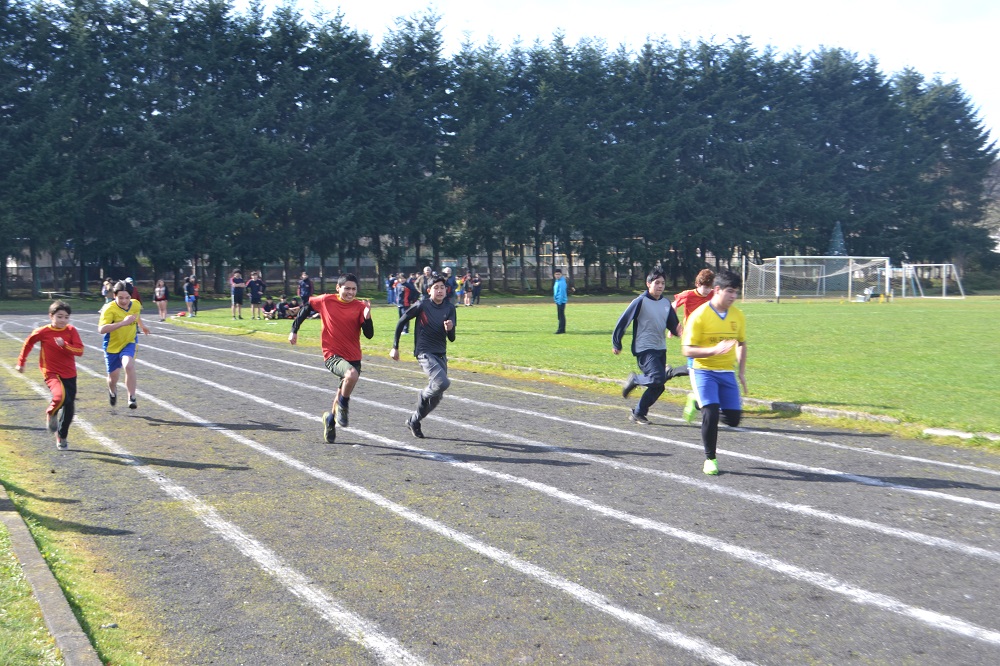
(344, 318)
(60, 343)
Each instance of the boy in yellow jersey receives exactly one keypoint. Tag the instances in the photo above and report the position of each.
(119, 324)
(715, 337)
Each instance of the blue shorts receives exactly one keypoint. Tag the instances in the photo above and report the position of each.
(114, 361)
(189, 299)
(717, 388)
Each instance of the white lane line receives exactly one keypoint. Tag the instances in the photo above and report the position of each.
(592, 599)
(857, 478)
(533, 394)
(350, 625)
(802, 509)
(818, 579)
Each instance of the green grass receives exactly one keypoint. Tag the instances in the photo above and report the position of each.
(24, 640)
(927, 362)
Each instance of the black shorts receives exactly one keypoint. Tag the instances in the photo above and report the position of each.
(238, 297)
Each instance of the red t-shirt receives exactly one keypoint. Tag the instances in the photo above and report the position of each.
(341, 326)
(53, 359)
(691, 300)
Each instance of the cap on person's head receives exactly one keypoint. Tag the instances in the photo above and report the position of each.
(129, 280)
(447, 270)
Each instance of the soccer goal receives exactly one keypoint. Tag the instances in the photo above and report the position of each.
(853, 278)
(929, 281)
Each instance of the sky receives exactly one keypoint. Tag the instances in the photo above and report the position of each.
(946, 38)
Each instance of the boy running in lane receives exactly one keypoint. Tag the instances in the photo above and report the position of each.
(435, 319)
(715, 338)
(344, 318)
(690, 300)
(651, 316)
(119, 324)
(59, 345)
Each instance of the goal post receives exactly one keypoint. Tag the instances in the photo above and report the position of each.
(841, 277)
(929, 281)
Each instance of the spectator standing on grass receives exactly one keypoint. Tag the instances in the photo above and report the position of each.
(408, 296)
(435, 318)
(189, 295)
(560, 294)
(133, 291)
(344, 318)
(256, 289)
(305, 287)
(160, 297)
(715, 338)
(477, 288)
(450, 283)
(650, 316)
(690, 300)
(423, 281)
(197, 293)
(236, 289)
(59, 345)
(120, 323)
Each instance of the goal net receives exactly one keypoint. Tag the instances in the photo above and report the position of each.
(853, 278)
(927, 281)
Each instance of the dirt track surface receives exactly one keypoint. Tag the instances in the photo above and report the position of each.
(533, 525)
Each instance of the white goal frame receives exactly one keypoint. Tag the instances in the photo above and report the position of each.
(832, 276)
(911, 279)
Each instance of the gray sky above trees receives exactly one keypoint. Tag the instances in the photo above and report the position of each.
(950, 38)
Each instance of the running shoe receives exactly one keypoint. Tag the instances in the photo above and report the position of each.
(61, 444)
(340, 412)
(131, 402)
(629, 385)
(52, 421)
(690, 408)
(711, 467)
(329, 428)
(635, 418)
(414, 427)
(112, 398)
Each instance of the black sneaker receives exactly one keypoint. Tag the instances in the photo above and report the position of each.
(629, 385)
(414, 427)
(329, 428)
(635, 418)
(112, 398)
(131, 402)
(340, 413)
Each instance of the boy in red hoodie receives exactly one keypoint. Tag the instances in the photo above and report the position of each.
(60, 344)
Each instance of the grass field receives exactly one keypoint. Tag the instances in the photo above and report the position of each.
(927, 362)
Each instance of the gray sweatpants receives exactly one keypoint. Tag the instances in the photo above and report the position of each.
(436, 368)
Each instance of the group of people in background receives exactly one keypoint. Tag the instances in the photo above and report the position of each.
(403, 290)
(712, 336)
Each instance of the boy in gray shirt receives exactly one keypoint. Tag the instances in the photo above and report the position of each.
(651, 316)
(434, 319)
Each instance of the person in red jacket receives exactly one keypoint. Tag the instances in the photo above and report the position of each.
(59, 345)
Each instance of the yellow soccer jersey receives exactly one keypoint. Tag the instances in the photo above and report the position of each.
(705, 328)
(112, 313)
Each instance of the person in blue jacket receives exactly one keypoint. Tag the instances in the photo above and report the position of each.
(560, 294)
(651, 316)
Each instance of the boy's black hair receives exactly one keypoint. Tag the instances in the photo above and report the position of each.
(556, 270)
(439, 278)
(727, 279)
(657, 272)
(119, 286)
(58, 305)
(348, 277)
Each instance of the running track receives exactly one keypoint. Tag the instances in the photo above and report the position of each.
(533, 525)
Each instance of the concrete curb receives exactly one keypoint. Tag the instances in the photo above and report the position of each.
(62, 624)
(777, 406)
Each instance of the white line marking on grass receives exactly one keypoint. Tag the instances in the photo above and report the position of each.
(763, 560)
(592, 599)
(351, 625)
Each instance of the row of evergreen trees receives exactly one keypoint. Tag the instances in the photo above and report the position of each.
(171, 129)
